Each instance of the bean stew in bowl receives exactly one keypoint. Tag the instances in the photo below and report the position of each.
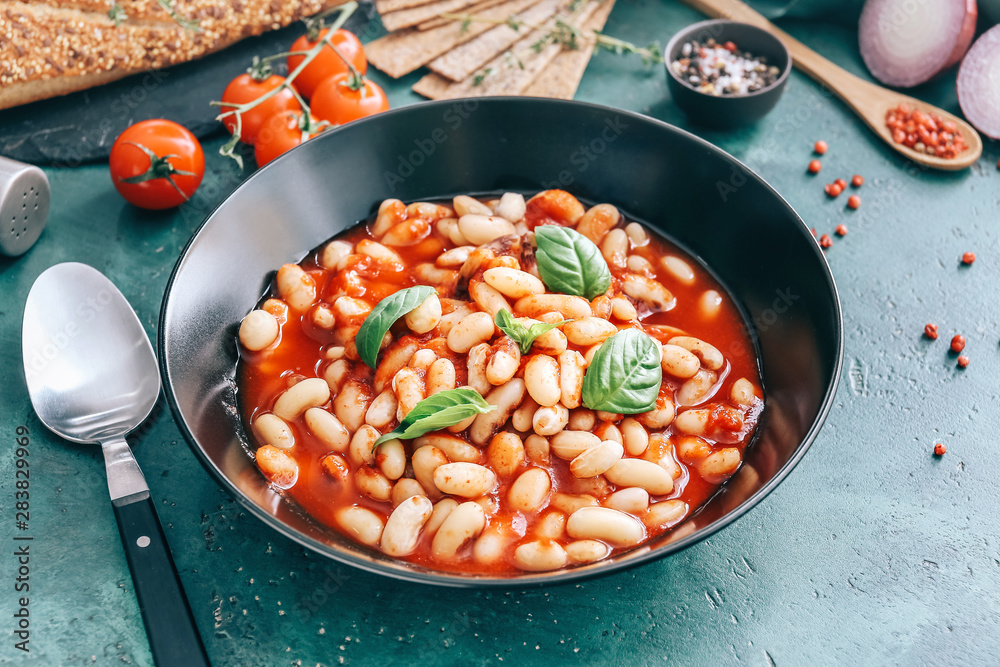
(483, 382)
(495, 385)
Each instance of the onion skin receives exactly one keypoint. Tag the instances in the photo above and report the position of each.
(979, 101)
(889, 67)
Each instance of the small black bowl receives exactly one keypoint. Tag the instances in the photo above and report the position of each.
(730, 110)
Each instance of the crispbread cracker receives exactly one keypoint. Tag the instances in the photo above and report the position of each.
(562, 76)
(509, 73)
(407, 18)
(400, 53)
(474, 10)
(462, 61)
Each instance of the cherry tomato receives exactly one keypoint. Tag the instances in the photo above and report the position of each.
(326, 63)
(282, 132)
(245, 88)
(335, 100)
(156, 164)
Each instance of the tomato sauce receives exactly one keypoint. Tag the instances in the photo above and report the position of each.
(262, 376)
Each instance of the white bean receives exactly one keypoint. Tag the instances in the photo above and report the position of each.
(582, 419)
(350, 310)
(409, 388)
(742, 392)
(655, 296)
(540, 556)
(571, 368)
(718, 466)
(710, 303)
(608, 431)
(382, 411)
(589, 331)
(634, 437)
(550, 420)
(454, 258)
(362, 524)
(615, 248)
(429, 274)
(471, 330)
(632, 500)
(504, 362)
(379, 252)
(551, 526)
(296, 287)
(586, 551)
(362, 447)
(310, 393)
(570, 503)
(477, 361)
(640, 265)
(424, 317)
(404, 488)
(395, 357)
(462, 525)
(505, 453)
(679, 269)
(541, 378)
(334, 252)
(351, 404)
(488, 298)
(372, 483)
(597, 460)
(390, 212)
(491, 545)
(440, 376)
(513, 283)
(391, 459)
(552, 342)
(602, 523)
(468, 480)
(709, 355)
(570, 307)
(442, 509)
(422, 359)
(665, 514)
(425, 461)
(529, 490)
(522, 417)
(464, 205)
(402, 530)
(636, 234)
(273, 430)
(596, 222)
(511, 206)
(480, 229)
(258, 330)
(325, 426)
(660, 416)
(622, 309)
(641, 473)
(570, 444)
(536, 449)
(505, 398)
(453, 447)
(698, 389)
(679, 362)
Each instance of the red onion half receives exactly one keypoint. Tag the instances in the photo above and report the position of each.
(907, 42)
(979, 83)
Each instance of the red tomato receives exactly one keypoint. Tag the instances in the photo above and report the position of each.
(245, 88)
(156, 164)
(336, 102)
(282, 132)
(326, 63)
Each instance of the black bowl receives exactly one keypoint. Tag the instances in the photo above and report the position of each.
(723, 111)
(693, 192)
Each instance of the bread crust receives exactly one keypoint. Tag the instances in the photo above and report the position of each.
(58, 47)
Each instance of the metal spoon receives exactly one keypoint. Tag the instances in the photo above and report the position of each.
(92, 378)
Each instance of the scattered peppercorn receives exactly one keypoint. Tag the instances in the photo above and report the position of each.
(722, 70)
(825, 241)
(858, 180)
(940, 450)
(820, 147)
(813, 230)
(958, 343)
(963, 361)
(930, 330)
(924, 132)
(833, 190)
(841, 182)
(815, 166)
(968, 257)
(854, 201)
(841, 230)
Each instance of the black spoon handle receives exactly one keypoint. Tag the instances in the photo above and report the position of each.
(173, 636)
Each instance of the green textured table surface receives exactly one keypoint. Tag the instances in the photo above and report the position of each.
(872, 552)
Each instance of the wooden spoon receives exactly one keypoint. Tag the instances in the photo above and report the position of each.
(869, 101)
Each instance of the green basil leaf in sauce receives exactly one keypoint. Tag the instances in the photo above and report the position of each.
(383, 316)
(519, 331)
(570, 263)
(624, 376)
(443, 409)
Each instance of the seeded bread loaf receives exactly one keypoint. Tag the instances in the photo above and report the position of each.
(61, 46)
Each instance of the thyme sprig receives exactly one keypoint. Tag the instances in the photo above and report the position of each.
(568, 36)
(117, 14)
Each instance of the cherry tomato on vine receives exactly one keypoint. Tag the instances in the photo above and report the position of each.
(156, 164)
(326, 63)
(341, 99)
(282, 132)
(247, 88)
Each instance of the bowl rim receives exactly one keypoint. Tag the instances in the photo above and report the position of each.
(458, 580)
(685, 32)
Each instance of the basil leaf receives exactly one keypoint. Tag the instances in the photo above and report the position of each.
(624, 376)
(521, 333)
(443, 409)
(570, 263)
(383, 316)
